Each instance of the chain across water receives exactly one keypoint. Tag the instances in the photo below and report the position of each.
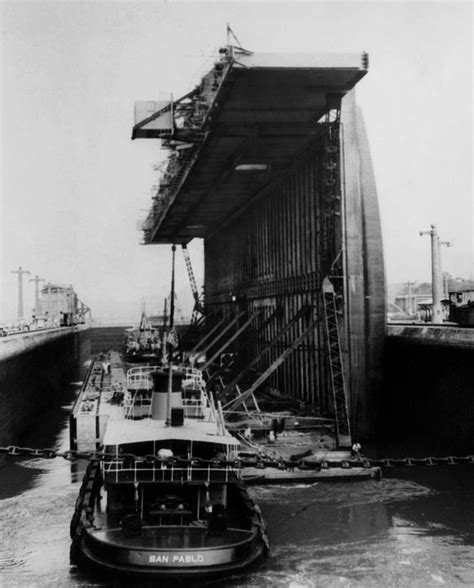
(256, 462)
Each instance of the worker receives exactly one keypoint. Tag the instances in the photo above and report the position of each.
(356, 447)
(163, 455)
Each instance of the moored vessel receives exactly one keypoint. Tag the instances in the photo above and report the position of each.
(142, 344)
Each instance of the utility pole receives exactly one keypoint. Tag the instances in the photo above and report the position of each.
(444, 278)
(436, 275)
(411, 310)
(49, 305)
(37, 280)
(20, 273)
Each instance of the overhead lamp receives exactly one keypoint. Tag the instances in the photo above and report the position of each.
(252, 167)
(195, 227)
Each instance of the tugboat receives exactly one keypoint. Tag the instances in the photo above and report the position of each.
(167, 499)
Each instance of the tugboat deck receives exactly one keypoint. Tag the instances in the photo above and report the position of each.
(313, 446)
(144, 430)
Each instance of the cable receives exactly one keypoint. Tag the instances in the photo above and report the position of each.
(296, 512)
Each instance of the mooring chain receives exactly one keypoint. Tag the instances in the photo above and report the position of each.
(256, 462)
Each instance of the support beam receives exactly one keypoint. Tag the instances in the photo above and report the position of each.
(232, 339)
(206, 337)
(269, 320)
(280, 359)
(221, 334)
(250, 365)
(203, 323)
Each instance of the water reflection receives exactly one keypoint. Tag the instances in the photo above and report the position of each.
(412, 528)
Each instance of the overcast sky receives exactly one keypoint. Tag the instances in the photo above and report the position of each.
(74, 184)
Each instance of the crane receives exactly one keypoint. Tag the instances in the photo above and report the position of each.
(198, 303)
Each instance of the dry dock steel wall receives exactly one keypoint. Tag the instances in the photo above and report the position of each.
(269, 164)
(276, 253)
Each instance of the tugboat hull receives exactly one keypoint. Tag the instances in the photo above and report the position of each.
(160, 551)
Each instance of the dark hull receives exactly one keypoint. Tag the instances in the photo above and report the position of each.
(164, 551)
(141, 358)
(176, 563)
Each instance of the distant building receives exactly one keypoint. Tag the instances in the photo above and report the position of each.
(409, 299)
(414, 301)
(462, 306)
(425, 310)
(59, 306)
(157, 321)
(395, 313)
(461, 297)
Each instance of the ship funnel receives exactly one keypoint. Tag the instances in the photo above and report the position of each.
(159, 401)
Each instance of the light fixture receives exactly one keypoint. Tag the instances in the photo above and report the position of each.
(252, 167)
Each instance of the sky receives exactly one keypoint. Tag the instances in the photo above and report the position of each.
(73, 184)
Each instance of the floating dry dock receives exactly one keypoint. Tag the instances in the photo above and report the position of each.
(269, 164)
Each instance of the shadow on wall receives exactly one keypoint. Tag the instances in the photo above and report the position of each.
(427, 392)
(34, 380)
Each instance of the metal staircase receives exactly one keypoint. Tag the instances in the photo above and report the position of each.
(336, 370)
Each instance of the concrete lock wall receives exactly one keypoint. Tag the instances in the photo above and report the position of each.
(35, 369)
(428, 390)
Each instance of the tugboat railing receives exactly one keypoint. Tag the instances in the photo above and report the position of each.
(119, 471)
(137, 407)
(138, 378)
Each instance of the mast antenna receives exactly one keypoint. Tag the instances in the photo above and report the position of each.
(230, 33)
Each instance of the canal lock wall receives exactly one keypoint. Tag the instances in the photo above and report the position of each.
(36, 369)
(428, 391)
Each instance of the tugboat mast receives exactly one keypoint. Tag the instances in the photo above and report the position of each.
(170, 340)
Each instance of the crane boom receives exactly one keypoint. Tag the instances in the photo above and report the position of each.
(198, 307)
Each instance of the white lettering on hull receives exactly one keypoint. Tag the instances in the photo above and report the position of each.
(183, 558)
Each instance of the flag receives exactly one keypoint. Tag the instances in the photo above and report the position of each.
(173, 338)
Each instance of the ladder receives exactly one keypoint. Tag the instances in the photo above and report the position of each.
(336, 371)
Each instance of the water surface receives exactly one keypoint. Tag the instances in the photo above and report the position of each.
(415, 527)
